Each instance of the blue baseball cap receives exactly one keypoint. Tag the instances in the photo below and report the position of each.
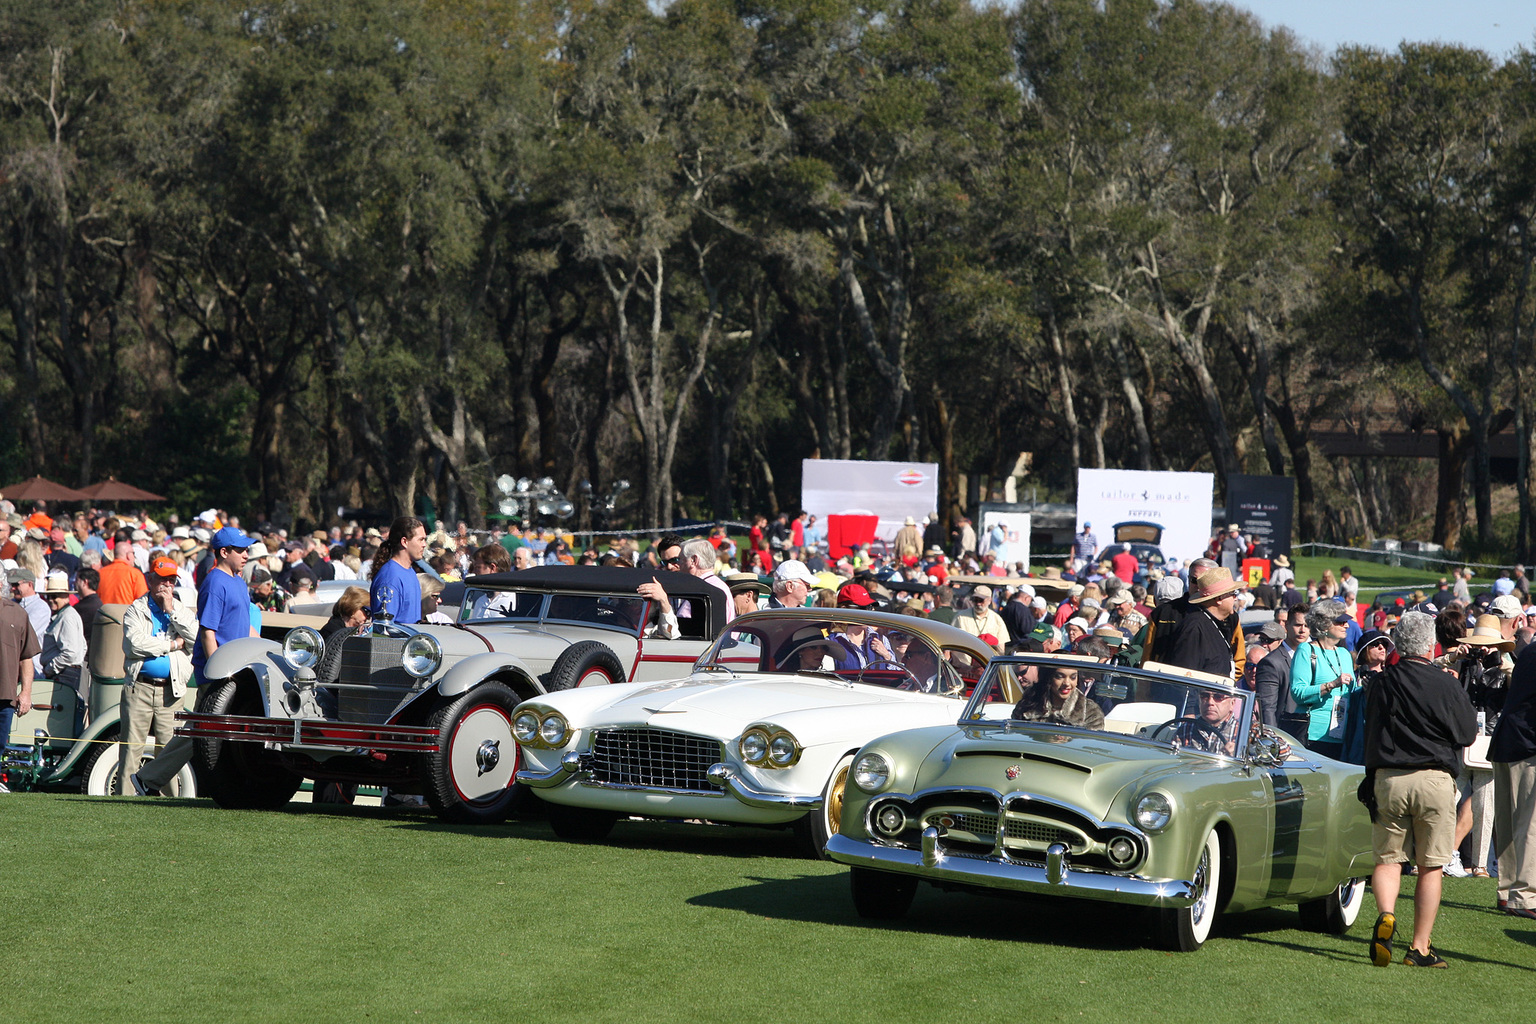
(229, 537)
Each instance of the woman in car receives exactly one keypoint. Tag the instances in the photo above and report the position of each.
(1057, 698)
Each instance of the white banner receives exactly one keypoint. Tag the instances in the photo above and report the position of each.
(890, 490)
(1006, 534)
(1180, 503)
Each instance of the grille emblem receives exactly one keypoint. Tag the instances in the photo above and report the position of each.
(1012, 772)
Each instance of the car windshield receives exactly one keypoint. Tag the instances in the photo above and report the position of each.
(1192, 712)
(841, 648)
(481, 604)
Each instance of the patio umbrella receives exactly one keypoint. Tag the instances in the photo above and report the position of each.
(112, 489)
(40, 489)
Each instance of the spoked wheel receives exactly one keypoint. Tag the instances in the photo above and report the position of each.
(1335, 913)
(471, 779)
(1185, 929)
(102, 770)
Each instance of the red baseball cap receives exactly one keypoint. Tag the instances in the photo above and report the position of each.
(163, 567)
(855, 595)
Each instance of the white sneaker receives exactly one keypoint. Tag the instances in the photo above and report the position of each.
(1454, 868)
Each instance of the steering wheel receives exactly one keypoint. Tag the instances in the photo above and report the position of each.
(910, 683)
(1171, 726)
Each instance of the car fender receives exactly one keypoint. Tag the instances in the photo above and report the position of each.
(101, 724)
(470, 672)
(249, 652)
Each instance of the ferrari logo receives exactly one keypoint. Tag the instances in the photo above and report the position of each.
(1012, 772)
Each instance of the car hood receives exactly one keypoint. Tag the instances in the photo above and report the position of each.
(1086, 771)
(705, 705)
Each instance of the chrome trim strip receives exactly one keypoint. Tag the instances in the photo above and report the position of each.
(933, 865)
(725, 777)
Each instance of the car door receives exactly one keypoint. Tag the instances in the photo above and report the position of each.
(1299, 799)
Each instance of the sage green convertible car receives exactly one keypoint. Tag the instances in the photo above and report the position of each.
(1067, 777)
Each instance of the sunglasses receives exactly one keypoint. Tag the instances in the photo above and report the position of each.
(672, 561)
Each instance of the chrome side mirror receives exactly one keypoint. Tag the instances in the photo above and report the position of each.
(1265, 752)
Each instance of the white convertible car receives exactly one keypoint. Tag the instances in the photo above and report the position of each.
(762, 732)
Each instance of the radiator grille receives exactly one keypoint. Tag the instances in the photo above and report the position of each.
(654, 758)
(372, 681)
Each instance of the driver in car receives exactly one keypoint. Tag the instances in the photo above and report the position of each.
(1214, 729)
(1058, 698)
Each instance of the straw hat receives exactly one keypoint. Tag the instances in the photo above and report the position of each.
(1212, 584)
(57, 583)
(1487, 633)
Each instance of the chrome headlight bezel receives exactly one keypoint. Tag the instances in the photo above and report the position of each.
(421, 656)
(525, 727)
(872, 772)
(534, 724)
(1153, 811)
(303, 648)
(753, 746)
(554, 730)
(765, 745)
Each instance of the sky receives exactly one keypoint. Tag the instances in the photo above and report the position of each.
(1496, 26)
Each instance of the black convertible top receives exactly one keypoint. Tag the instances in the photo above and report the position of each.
(596, 579)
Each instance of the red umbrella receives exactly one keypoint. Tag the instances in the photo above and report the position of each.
(41, 489)
(111, 489)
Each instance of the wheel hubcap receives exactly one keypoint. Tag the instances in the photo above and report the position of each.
(488, 756)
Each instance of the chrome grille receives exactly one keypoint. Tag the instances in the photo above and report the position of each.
(372, 681)
(1037, 832)
(977, 824)
(654, 758)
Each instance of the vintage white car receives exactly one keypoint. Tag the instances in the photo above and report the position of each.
(761, 732)
(428, 708)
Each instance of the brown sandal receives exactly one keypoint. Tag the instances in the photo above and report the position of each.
(1480, 873)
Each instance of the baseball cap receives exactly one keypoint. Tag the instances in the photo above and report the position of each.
(20, 575)
(855, 595)
(1043, 632)
(793, 569)
(1503, 585)
(982, 591)
(229, 537)
(1506, 606)
(162, 567)
(1271, 631)
(140, 535)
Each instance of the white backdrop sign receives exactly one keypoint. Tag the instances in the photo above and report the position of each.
(1007, 535)
(1178, 502)
(890, 490)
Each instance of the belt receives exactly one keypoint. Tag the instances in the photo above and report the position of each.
(154, 679)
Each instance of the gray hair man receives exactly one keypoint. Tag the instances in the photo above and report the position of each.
(1417, 719)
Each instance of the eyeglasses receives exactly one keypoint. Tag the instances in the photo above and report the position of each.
(675, 559)
(1214, 697)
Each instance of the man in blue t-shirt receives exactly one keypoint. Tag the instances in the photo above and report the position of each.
(395, 590)
(223, 600)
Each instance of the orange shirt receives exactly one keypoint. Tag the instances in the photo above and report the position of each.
(121, 583)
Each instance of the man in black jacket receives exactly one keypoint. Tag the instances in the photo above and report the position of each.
(1417, 720)
(1513, 753)
(1272, 679)
(1201, 641)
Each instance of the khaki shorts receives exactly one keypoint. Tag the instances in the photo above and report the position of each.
(1415, 817)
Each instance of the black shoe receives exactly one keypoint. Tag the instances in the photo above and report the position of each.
(1520, 912)
(1381, 940)
(139, 787)
(1413, 958)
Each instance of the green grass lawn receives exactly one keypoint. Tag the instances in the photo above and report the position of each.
(1373, 576)
(165, 911)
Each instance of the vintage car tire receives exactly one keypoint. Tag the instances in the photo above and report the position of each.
(580, 824)
(1185, 929)
(1335, 913)
(99, 776)
(816, 828)
(881, 895)
(241, 776)
(587, 663)
(459, 786)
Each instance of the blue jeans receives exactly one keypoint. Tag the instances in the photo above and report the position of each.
(7, 715)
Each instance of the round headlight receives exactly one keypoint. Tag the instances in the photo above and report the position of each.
(754, 746)
(303, 648)
(525, 727)
(890, 820)
(783, 750)
(1121, 851)
(553, 730)
(422, 655)
(1153, 812)
(871, 773)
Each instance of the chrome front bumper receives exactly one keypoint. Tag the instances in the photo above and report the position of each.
(724, 776)
(570, 764)
(1055, 879)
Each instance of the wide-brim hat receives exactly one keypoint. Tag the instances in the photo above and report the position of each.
(57, 583)
(1281, 561)
(1052, 572)
(1488, 633)
(743, 582)
(1213, 584)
